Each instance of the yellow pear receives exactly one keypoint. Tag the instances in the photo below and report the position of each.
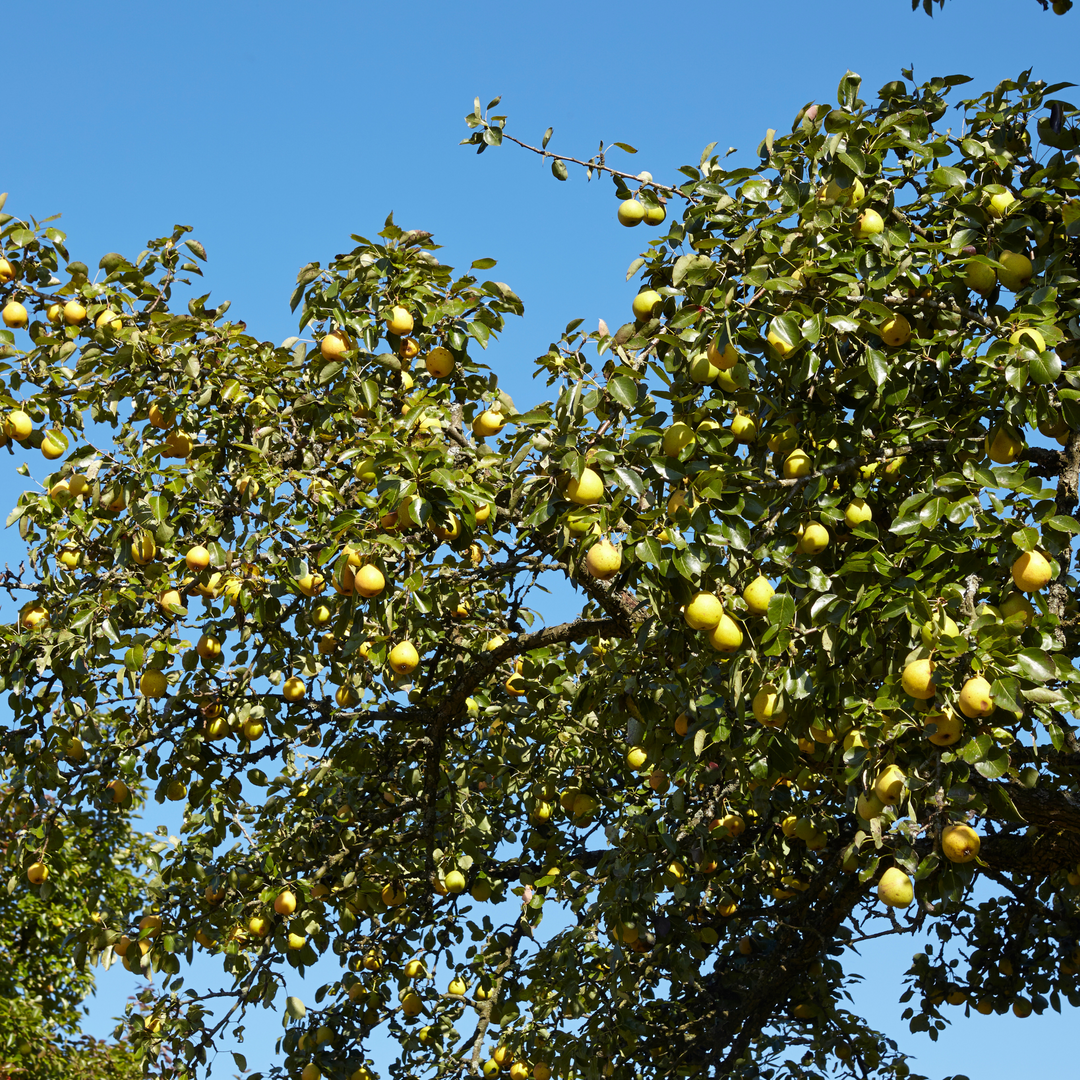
(1028, 337)
(646, 303)
(796, 464)
(293, 688)
(703, 612)
(889, 785)
(488, 423)
(960, 843)
(744, 428)
(588, 489)
(947, 727)
(1032, 571)
(369, 581)
(869, 223)
(702, 370)
(814, 539)
(857, 512)
(895, 889)
(404, 658)
(439, 362)
(1003, 445)
(918, 681)
(1016, 270)
(15, 315)
(766, 707)
(975, 699)
(895, 331)
(758, 594)
(631, 212)
(727, 635)
(676, 438)
(724, 357)
(604, 560)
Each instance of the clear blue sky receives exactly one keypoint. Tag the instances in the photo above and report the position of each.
(278, 129)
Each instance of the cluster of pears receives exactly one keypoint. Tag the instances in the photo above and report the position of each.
(705, 611)
(1031, 571)
(633, 211)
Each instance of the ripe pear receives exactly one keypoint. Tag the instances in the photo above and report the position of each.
(960, 843)
(814, 539)
(1016, 270)
(1000, 203)
(1017, 608)
(1032, 571)
(1003, 445)
(588, 489)
(918, 681)
(796, 464)
(975, 699)
(869, 223)
(1029, 337)
(784, 347)
(15, 315)
(702, 370)
(631, 212)
(889, 785)
(703, 612)
(869, 806)
(744, 428)
(403, 658)
(766, 708)
(727, 635)
(896, 889)
(758, 594)
(604, 560)
(725, 357)
(947, 727)
(646, 303)
(676, 438)
(895, 331)
(857, 512)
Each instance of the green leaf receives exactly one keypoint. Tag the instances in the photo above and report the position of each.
(1036, 665)
(624, 390)
(994, 765)
(688, 563)
(877, 365)
(1044, 368)
(629, 481)
(558, 169)
(649, 551)
(781, 610)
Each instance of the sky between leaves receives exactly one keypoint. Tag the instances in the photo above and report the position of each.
(277, 129)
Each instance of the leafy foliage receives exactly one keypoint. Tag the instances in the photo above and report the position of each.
(34, 1047)
(299, 591)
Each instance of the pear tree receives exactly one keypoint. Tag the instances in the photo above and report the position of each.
(810, 512)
